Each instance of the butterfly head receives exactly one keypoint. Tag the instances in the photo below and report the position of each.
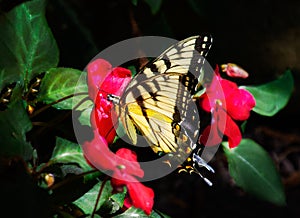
(113, 98)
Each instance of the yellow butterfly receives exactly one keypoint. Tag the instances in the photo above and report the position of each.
(158, 102)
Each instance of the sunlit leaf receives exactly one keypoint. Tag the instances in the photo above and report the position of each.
(68, 152)
(252, 169)
(27, 46)
(87, 202)
(60, 83)
(273, 96)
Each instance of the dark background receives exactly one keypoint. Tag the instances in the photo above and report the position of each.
(262, 36)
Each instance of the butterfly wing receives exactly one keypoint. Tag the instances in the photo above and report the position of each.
(158, 102)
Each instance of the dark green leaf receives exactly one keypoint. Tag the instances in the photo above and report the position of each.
(68, 152)
(158, 214)
(273, 96)
(197, 6)
(67, 169)
(87, 202)
(14, 123)
(111, 206)
(154, 5)
(134, 2)
(27, 46)
(253, 170)
(243, 126)
(133, 70)
(59, 83)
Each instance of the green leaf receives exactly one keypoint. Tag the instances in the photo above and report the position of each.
(14, 124)
(27, 46)
(58, 83)
(119, 197)
(136, 212)
(158, 214)
(133, 70)
(87, 202)
(253, 170)
(154, 5)
(134, 2)
(132, 212)
(114, 203)
(68, 152)
(273, 96)
(84, 117)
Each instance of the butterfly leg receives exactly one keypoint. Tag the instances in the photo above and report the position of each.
(202, 163)
(208, 182)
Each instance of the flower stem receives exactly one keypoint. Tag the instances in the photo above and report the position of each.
(98, 196)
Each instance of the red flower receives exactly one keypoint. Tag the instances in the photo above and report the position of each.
(227, 102)
(124, 166)
(103, 80)
(139, 196)
(100, 156)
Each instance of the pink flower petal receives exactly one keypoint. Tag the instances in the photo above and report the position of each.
(98, 154)
(97, 71)
(140, 196)
(127, 154)
(128, 162)
(116, 82)
(233, 133)
(210, 136)
(239, 104)
(205, 103)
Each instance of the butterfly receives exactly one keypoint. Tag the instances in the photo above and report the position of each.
(158, 103)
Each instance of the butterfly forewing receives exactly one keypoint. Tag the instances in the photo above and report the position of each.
(158, 101)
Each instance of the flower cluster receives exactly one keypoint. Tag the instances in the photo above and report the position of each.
(227, 103)
(103, 80)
